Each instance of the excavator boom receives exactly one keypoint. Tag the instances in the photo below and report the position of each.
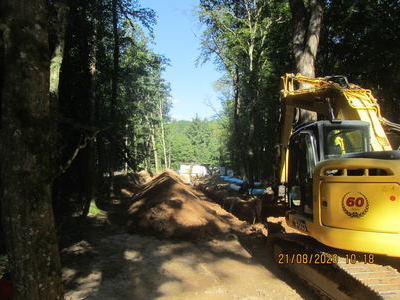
(332, 98)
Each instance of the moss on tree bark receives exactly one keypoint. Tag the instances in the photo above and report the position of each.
(25, 151)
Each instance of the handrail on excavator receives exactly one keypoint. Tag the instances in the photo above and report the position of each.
(353, 93)
(359, 103)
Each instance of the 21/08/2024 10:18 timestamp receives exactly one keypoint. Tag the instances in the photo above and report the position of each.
(324, 258)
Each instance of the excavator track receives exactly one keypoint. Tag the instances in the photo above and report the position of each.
(383, 280)
(337, 274)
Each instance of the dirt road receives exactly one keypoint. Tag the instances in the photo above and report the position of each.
(110, 264)
(217, 256)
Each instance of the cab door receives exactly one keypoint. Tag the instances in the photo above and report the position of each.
(302, 161)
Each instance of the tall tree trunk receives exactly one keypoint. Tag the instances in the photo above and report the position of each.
(27, 213)
(134, 147)
(91, 189)
(237, 103)
(240, 154)
(169, 157)
(114, 86)
(154, 148)
(60, 25)
(164, 147)
(115, 73)
(57, 30)
(307, 24)
(101, 152)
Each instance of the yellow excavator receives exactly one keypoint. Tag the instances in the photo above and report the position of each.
(340, 173)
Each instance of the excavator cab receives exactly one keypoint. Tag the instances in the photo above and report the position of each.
(315, 142)
(341, 174)
(338, 190)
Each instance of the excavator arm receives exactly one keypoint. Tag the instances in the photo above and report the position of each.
(332, 98)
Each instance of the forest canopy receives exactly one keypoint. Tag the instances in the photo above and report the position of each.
(83, 99)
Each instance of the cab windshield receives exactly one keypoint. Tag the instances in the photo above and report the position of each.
(339, 141)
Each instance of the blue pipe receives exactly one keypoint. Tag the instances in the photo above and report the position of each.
(256, 191)
(235, 187)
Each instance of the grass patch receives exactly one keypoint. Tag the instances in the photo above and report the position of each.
(95, 211)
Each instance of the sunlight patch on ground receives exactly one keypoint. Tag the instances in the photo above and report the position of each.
(94, 210)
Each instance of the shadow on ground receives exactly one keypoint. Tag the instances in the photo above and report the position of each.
(102, 261)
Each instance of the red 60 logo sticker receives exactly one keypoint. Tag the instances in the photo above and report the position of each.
(355, 204)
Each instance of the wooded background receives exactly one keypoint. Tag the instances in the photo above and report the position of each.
(82, 97)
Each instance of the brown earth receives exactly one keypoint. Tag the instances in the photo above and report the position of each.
(141, 177)
(106, 263)
(216, 256)
(170, 208)
(246, 208)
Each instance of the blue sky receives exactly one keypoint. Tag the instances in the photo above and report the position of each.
(177, 36)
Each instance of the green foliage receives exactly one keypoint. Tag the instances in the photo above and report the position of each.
(202, 138)
(249, 41)
(95, 211)
(196, 141)
(181, 151)
(111, 86)
(361, 40)
(145, 98)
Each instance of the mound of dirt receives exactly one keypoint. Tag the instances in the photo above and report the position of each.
(141, 177)
(245, 207)
(170, 208)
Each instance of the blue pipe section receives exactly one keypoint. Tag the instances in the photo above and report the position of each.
(237, 180)
(256, 191)
(232, 179)
(234, 185)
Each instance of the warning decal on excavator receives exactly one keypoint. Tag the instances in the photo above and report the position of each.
(355, 204)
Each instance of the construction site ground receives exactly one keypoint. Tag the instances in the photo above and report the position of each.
(132, 253)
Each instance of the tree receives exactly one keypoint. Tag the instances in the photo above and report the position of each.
(25, 132)
(361, 40)
(246, 38)
(110, 83)
(307, 22)
(180, 146)
(199, 137)
(196, 141)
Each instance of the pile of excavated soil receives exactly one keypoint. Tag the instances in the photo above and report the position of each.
(128, 185)
(169, 208)
(246, 208)
(141, 177)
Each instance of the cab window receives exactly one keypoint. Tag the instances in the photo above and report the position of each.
(339, 141)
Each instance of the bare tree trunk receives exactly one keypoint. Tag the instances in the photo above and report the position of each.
(58, 12)
(27, 213)
(237, 103)
(91, 190)
(307, 24)
(134, 147)
(238, 135)
(115, 56)
(145, 148)
(169, 157)
(163, 135)
(126, 149)
(60, 21)
(154, 149)
(114, 87)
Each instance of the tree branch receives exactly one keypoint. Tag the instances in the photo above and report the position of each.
(82, 144)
